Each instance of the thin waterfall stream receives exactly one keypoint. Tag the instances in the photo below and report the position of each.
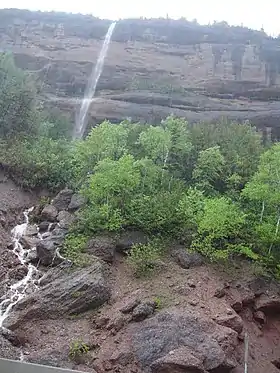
(91, 86)
(20, 289)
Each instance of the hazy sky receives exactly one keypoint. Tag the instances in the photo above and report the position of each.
(249, 12)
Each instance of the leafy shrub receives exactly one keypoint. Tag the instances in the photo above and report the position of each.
(74, 249)
(142, 258)
(38, 162)
(78, 349)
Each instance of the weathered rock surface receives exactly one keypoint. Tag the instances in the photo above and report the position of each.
(186, 259)
(142, 311)
(103, 247)
(49, 213)
(129, 238)
(77, 201)
(173, 330)
(231, 321)
(178, 361)
(46, 252)
(7, 350)
(62, 200)
(72, 293)
(29, 242)
(44, 226)
(65, 219)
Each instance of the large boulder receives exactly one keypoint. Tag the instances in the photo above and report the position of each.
(46, 252)
(63, 199)
(29, 242)
(77, 201)
(129, 238)
(213, 345)
(49, 213)
(72, 293)
(103, 247)
(186, 259)
(65, 219)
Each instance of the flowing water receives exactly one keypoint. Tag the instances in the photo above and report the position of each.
(20, 289)
(92, 84)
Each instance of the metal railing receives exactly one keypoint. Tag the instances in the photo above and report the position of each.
(12, 366)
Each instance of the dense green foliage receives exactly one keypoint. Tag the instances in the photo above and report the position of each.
(213, 187)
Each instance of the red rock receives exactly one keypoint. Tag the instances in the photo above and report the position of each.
(231, 321)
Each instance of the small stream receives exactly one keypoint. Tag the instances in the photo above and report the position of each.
(29, 283)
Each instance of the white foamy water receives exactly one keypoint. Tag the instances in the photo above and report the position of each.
(20, 289)
(91, 86)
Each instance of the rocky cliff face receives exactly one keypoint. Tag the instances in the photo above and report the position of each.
(153, 68)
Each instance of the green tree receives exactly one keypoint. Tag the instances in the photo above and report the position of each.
(264, 189)
(104, 141)
(207, 173)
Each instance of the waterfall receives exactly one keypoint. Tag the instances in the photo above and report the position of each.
(91, 86)
(19, 290)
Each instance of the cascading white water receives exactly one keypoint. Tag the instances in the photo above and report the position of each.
(91, 86)
(19, 290)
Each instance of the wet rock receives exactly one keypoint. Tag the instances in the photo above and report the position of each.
(7, 350)
(173, 330)
(234, 322)
(65, 219)
(259, 316)
(142, 311)
(102, 247)
(44, 226)
(130, 305)
(186, 259)
(29, 242)
(32, 256)
(58, 235)
(18, 273)
(128, 239)
(49, 213)
(77, 201)
(180, 360)
(46, 253)
(72, 293)
(31, 230)
(267, 304)
(63, 199)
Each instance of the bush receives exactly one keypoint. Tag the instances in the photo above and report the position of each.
(143, 258)
(38, 162)
(77, 350)
(74, 249)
